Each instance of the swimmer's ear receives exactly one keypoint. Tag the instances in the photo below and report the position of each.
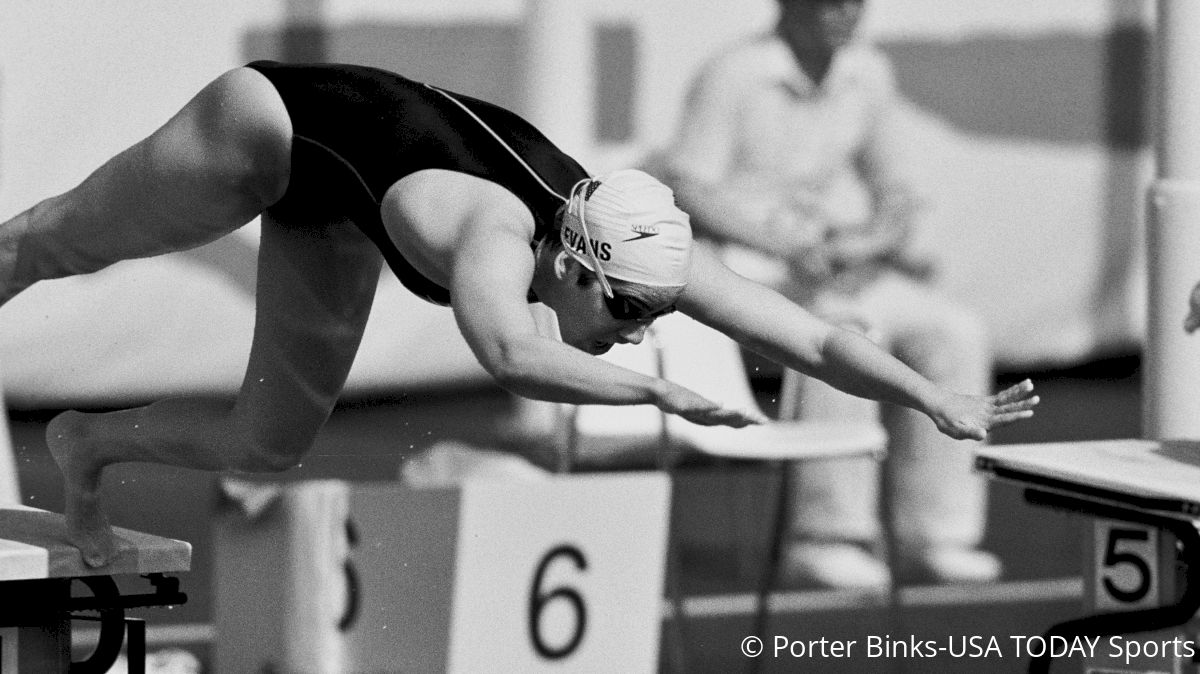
(565, 265)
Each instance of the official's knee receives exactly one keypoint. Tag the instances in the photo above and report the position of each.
(955, 349)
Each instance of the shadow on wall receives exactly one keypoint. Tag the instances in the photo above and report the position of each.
(446, 54)
(1054, 88)
(450, 55)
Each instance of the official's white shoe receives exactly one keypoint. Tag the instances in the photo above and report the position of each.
(833, 565)
(949, 565)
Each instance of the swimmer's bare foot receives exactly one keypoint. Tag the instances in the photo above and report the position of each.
(87, 527)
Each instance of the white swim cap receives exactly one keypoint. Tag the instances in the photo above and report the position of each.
(637, 233)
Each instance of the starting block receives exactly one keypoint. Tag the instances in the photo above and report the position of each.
(1141, 576)
(37, 567)
(554, 573)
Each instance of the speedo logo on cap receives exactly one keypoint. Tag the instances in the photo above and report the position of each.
(642, 232)
(575, 240)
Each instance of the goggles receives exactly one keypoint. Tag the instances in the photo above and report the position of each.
(625, 309)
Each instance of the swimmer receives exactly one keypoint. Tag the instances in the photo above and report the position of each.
(469, 206)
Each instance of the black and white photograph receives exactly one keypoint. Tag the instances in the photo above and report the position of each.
(422, 336)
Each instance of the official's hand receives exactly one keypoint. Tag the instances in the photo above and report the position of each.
(796, 235)
(812, 262)
(1192, 322)
(966, 417)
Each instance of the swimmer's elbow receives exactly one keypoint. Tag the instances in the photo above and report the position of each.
(511, 379)
(515, 367)
(804, 351)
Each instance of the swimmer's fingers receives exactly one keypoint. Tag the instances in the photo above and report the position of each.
(1009, 417)
(1018, 394)
(748, 418)
(692, 406)
(967, 417)
(724, 416)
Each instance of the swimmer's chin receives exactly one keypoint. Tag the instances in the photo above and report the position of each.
(594, 348)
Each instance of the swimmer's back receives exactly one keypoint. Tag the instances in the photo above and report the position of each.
(358, 130)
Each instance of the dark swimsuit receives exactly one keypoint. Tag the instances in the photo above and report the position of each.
(357, 130)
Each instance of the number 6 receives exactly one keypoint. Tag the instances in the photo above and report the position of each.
(538, 599)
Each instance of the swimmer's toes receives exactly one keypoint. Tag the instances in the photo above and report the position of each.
(97, 547)
(88, 530)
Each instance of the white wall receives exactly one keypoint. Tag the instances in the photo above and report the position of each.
(82, 80)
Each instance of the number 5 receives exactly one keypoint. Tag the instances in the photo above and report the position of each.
(1112, 558)
(538, 599)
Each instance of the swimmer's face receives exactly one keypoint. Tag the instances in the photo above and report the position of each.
(828, 23)
(594, 323)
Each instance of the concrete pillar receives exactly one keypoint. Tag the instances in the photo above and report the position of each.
(1172, 381)
(559, 73)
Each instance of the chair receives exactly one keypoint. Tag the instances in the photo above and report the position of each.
(691, 354)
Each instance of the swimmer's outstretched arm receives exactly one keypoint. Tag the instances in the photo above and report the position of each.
(491, 277)
(769, 324)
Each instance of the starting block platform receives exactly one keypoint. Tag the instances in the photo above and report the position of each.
(1142, 575)
(561, 573)
(1156, 476)
(37, 568)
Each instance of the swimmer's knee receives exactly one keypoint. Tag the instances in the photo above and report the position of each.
(270, 457)
(258, 461)
(69, 424)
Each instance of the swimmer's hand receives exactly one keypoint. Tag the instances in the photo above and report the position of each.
(965, 417)
(675, 399)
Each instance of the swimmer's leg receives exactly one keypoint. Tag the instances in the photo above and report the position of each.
(210, 169)
(314, 291)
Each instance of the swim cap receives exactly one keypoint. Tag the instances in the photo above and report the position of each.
(637, 233)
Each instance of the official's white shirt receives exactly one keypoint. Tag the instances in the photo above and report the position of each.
(754, 119)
